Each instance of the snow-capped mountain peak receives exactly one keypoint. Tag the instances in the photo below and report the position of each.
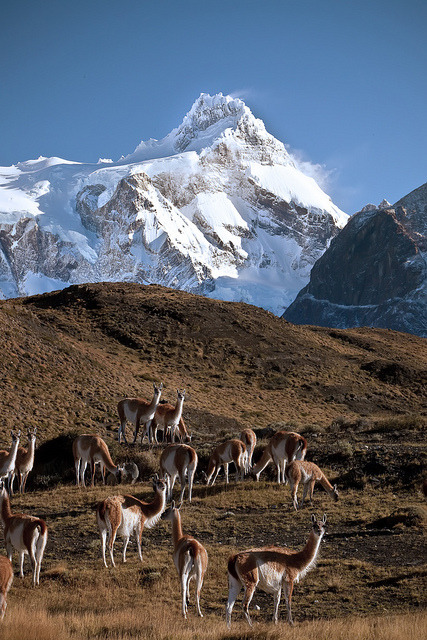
(218, 206)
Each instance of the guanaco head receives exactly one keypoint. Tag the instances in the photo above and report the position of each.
(158, 484)
(15, 436)
(318, 525)
(170, 511)
(157, 390)
(31, 435)
(181, 394)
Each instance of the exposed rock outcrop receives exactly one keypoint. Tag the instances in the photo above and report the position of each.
(374, 272)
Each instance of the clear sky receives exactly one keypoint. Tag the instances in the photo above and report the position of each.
(344, 82)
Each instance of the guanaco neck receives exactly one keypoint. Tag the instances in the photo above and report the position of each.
(301, 559)
(176, 528)
(28, 454)
(326, 484)
(13, 451)
(263, 461)
(177, 412)
(151, 509)
(154, 402)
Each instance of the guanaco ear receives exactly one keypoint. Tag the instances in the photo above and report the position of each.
(161, 386)
(313, 518)
(335, 487)
(173, 504)
(324, 518)
(19, 434)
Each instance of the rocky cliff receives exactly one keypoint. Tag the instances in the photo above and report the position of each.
(374, 272)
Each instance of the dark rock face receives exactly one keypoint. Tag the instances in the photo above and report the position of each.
(373, 273)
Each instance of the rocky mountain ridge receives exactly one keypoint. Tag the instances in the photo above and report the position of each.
(374, 273)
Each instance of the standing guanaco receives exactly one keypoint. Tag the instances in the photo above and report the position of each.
(272, 569)
(190, 558)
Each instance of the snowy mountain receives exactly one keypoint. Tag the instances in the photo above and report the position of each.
(374, 273)
(217, 207)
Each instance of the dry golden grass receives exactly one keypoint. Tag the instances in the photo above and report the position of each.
(156, 623)
(356, 572)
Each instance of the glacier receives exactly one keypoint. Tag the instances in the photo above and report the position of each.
(218, 207)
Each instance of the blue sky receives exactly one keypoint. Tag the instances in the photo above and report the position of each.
(342, 82)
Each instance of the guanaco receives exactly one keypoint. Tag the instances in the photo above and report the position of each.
(282, 448)
(125, 515)
(92, 449)
(138, 412)
(190, 558)
(272, 569)
(178, 460)
(308, 473)
(26, 534)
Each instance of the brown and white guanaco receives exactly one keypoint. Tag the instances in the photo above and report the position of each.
(282, 448)
(169, 418)
(190, 558)
(138, 412)
(126, 515)
(272, 569)
(178, 460)
(308, 473)
(26, 534)
(25, 461)
(248, 437)
(7, 461)
(229, 451)
(92, 449)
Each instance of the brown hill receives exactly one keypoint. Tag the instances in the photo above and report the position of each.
(67, 357)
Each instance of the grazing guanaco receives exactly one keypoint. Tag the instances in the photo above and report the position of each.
(248, 437)
(26, 534)
(6, 579)
(169, 418)
(92, 449)
(125, 515)
(190, 558)
(25, 461)
(8, 459)
(283, 447)
(138, 412)
(272, 569)
(308, 473)
(229, 451)
(178, 460)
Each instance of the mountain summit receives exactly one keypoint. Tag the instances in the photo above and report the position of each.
(217, 207)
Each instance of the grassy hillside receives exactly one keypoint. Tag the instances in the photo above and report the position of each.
(358, 396)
